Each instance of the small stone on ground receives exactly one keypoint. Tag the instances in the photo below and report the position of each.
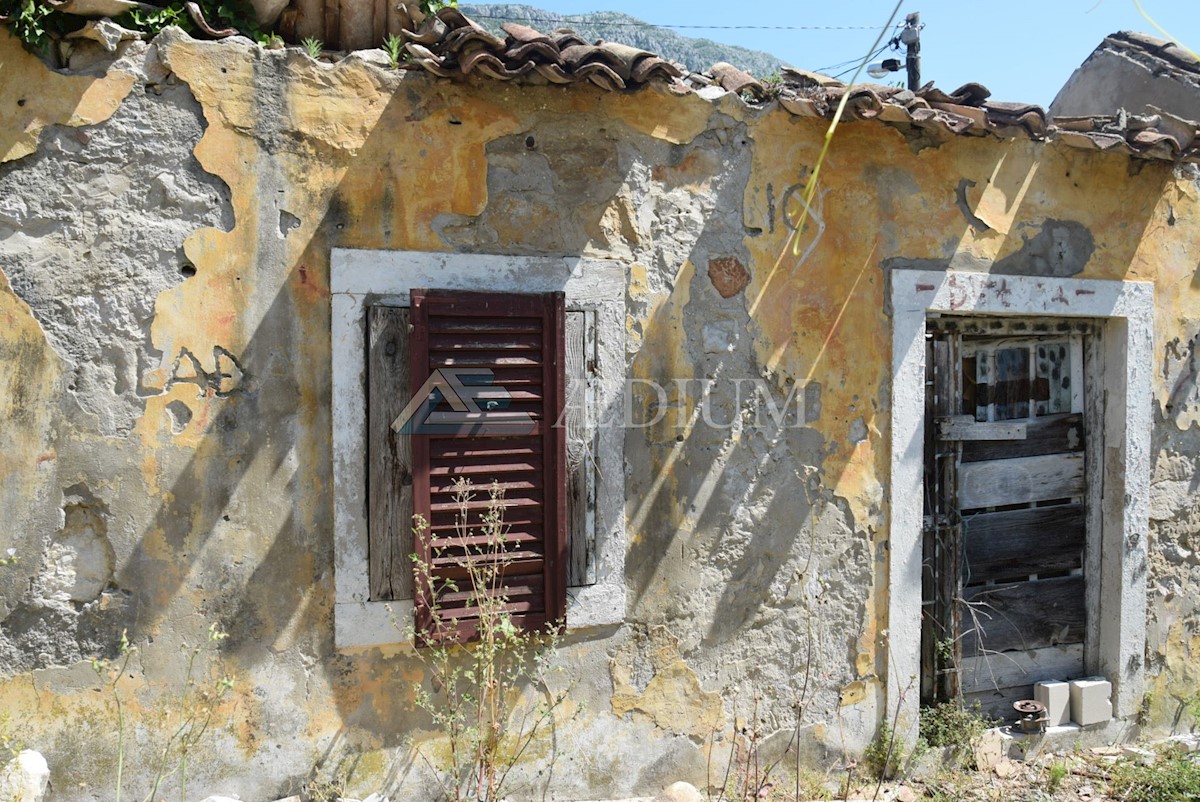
(679, 792)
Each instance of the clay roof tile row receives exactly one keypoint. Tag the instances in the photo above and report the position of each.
(449, 44)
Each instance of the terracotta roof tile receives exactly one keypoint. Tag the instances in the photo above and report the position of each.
(432, 31)
(731, 79)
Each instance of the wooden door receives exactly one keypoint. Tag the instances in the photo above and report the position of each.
(1006, 510)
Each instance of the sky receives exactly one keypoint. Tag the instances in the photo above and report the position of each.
(1022, 50)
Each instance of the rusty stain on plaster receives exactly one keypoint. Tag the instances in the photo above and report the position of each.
(728, 275)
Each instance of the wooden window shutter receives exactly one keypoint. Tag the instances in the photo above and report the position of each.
(520, 339)
(389, 458)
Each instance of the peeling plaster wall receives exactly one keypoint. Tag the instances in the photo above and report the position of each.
(165, 231)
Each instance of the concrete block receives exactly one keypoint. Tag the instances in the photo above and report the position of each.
(1056, 696)
(1091, 701)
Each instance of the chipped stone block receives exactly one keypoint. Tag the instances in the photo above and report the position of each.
(1056, 696)
(24, 778)
(1183, 744)
(990, 749)
(1091, 701)
(106, 32)
(1144, 756)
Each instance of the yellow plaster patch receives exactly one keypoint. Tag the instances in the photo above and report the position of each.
(29, 383)
(997, 199)
(674, 119)
(853, 693)
(33, 97)
(673, 699)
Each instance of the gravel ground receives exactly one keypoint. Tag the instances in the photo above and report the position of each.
(1163, 772)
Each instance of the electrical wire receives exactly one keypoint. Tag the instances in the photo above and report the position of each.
(858, 61)
(850, 62)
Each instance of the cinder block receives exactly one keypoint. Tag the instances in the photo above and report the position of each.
(1091, 701)
(1056, 696)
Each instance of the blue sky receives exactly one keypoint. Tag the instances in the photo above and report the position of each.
(1020, 49)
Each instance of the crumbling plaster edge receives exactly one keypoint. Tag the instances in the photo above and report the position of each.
(357, 276)
(1127, 310)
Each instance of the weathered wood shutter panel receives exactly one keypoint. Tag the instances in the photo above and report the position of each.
(942, 581)
(581, 448)
(389, 457)
(520, 339)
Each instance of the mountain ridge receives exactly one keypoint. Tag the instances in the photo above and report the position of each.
(697, 54)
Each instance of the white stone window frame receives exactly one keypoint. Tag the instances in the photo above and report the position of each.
(359, 278)
(1125, 358)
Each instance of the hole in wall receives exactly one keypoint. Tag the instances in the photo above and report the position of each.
(180, 416)
(287, 222)
(187, 269)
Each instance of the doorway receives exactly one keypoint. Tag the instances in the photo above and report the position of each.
(1005, 578)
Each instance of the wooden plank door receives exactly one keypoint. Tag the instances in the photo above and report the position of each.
(1008, 493)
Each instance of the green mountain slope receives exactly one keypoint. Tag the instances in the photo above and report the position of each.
(697, 54)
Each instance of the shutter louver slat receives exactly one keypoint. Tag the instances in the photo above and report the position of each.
(519, 338)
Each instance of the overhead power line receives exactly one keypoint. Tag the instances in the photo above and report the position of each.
(853, 67)
(854, 62)
(594, 21)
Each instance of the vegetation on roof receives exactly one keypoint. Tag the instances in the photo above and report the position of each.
(40, 24)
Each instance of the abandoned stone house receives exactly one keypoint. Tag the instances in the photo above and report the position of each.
(928, 428)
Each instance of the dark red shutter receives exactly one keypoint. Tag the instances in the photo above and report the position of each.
(520, 339)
